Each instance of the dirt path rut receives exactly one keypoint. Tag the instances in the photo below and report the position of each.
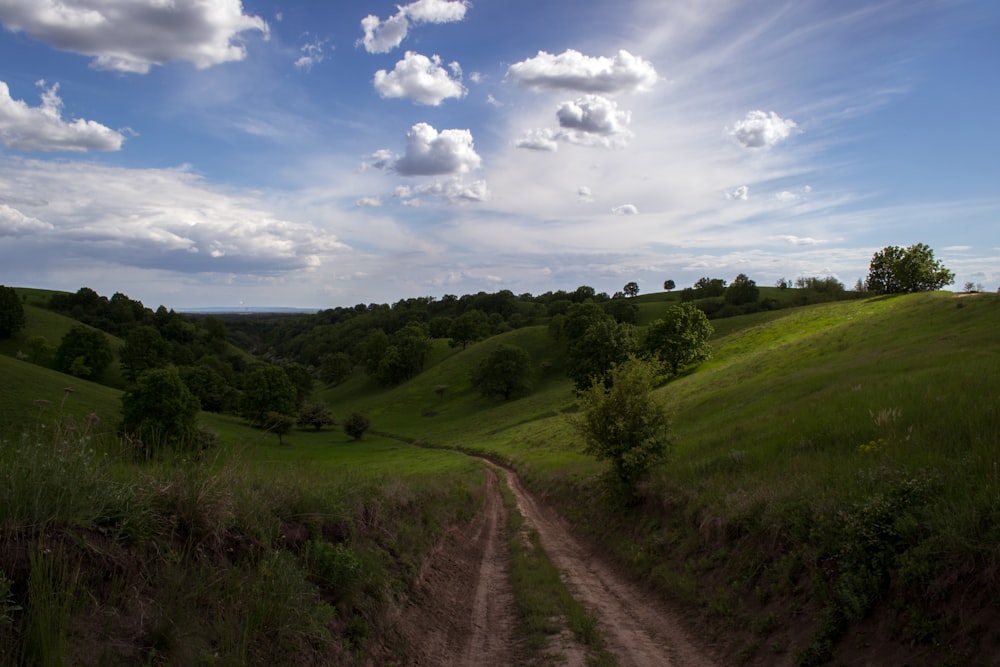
(463, 612)
(637, 629)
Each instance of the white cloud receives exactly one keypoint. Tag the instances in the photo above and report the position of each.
(312, 54)
(456, 190)
(741, 193)
(493, 102)
(15, 223)
(132, 35)
(42, 128)
(584, 194)
(625, 209)
(762, 130)
(800, 240)
(368, 202)
(430, 153)
(383, 36)
(538, 140)
(571, 70)
(419, 78)
(594, 120)
(75, 212)
(436, 11)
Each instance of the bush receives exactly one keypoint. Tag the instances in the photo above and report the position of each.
(160, 410)
(356, 424)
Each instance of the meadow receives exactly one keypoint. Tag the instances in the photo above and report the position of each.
(832, 493)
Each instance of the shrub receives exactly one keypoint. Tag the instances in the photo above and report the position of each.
(356, 424)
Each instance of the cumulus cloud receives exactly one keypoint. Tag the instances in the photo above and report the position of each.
(762, 130)
(625, 209)
(594, 120)
(430, 153)
(741, 193)
(571, 70)
(584, 194)
(419, 78)
(368, 202)
(538, 140)
(42, 128)
(312, 54)
(383, 36)
(132, 35)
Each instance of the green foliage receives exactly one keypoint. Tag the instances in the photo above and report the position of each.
(895, 270)
(209, 387)
(11, 312)
(680, 337)
(603, 345)
(669, 285)
(631, 289)
(470, 326)
(267, 389)
(85, 348)
(356, 424)
(144, 349)
(302, 380)
(505, 372)
(39, 348)
(316, 415)
(335, 368)
(334, 565)
(622, 422)
(279, 424)
(742, 290)
(404, 358)
(623, 310)
(160, 410)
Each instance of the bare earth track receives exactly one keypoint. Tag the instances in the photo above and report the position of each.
(463, 612)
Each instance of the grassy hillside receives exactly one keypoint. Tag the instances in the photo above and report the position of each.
(833, 464)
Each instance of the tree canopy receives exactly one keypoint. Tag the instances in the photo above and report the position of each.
(160, 410)
(267, 389)
(84, 352)
(11, 312)
(895, 270)
(680, 337)
(624, 423)
(505, 372)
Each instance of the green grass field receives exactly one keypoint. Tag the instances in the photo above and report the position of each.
(832, 464)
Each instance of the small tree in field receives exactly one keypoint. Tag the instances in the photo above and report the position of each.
(681, 337)
(631, 289)
(316, 415)
(669, 285)
(160, 410)
(625, 424)
(356, 424)
(279, 424)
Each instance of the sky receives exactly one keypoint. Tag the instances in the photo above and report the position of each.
(293, 153)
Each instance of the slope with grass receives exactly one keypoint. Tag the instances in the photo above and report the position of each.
(832, 492)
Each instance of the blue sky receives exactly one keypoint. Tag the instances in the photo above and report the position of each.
(201, 153)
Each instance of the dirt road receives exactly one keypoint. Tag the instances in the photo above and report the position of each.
(463, 612)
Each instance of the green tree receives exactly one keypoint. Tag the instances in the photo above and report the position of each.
(316, 415)
(278, 423)
(356, 424)
(623, 310)
(144, 349)
(469, 327)
(302, 380)
(40, 348)
(706, 287)
(160, 410)
(11, 312)
(209, 387)
(603, 345)
(579, 317)
(405, 356)
(87, 349)
(742, 291)
(669, 285)
(505, 372)
(622, 422)
(267, 389)
(680, 337)
(335, 368)
(373, 348)
(895, 270)
(631, 289)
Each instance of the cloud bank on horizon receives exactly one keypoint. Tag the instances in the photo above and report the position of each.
(210, 152)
